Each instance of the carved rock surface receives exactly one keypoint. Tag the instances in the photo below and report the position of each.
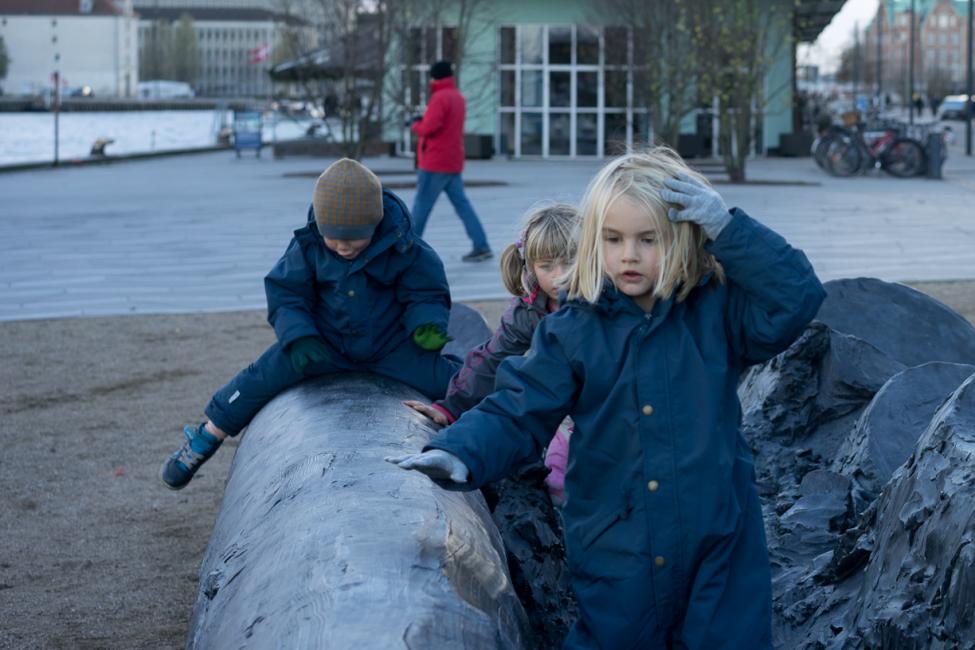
(799, 407)
(908, 325)
(532, 535)
(918, 588)
(863, 432)
(888, 430)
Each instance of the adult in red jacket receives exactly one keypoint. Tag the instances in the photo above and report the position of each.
(440, 156)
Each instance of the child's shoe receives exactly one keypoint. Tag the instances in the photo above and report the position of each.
(179, 468)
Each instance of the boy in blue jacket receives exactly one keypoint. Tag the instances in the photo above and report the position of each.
(672, 294)
(357, 289)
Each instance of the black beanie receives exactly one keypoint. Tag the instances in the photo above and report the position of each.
(441, 69)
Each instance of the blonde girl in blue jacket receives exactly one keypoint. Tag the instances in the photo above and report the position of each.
(671, 296)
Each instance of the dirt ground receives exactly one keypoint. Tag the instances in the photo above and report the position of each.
(94, 551)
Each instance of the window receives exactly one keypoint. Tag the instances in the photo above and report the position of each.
(507, 87)
(448, 43)
(559, 134)
(617, 46)
(615, 88)
(567, 90)
(587, 45)
(531, 44)
(531, 134)
(560, 45)
(560, 88)
(507, 45)
(587, 89)
(531, 88)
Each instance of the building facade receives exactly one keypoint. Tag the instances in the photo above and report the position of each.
(91, 44)
(940, 44)
(236, 41)
(555, 79)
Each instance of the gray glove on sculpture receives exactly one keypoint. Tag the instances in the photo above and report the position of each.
(702, 205)
(436, 463)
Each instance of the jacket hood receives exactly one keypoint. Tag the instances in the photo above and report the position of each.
(440, 84)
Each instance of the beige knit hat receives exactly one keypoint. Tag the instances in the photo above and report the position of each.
(348, 201)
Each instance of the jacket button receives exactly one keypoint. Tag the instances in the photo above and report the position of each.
(652, 486)
(647, 409)
(659, 560)
(351, 293)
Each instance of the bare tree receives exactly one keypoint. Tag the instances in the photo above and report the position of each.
(667, 48)
(154, 60)
(184, 53)
(4, 59)
(416, 26)
(743, 39)
(346, 76)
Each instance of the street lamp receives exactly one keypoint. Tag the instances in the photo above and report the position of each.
(910, 72)
(971, 99)
(880, 35)
(57, 88)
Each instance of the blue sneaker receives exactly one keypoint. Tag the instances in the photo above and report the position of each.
(179, 468)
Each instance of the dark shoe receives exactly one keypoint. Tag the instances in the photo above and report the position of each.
(179, 468)
(478, 255)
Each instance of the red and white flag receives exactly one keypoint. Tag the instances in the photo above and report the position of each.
(259, 54)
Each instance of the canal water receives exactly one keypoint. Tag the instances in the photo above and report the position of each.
(29, 137)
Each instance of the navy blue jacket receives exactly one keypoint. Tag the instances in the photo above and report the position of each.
(366, 307)
(658, 470)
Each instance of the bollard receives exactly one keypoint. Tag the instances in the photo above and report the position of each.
(934, 153)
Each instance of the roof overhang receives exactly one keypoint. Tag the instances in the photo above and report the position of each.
(812, 16)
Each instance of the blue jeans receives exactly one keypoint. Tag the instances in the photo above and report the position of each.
(429, 185)
(235, 405)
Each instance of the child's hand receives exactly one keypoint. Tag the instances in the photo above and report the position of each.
(309, 349)
(702, 205)
(436, 463)
(430, 337)
(427, 410)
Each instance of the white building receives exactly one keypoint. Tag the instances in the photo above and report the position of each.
(91, 43)
(235, 40)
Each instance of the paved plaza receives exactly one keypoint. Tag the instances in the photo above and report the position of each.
(198, 233)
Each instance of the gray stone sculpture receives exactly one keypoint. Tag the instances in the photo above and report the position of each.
(863, 431)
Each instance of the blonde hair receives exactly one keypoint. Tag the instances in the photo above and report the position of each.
(639, 176)
(549, 233)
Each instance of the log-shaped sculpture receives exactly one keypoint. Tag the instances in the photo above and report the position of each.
(321, 544)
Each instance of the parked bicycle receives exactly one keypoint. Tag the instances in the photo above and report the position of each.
(843, 151)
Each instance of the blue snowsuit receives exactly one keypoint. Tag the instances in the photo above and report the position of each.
(364, 309)
(663, 525)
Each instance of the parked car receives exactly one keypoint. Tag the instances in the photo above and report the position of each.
(952, 107)
(159, 89)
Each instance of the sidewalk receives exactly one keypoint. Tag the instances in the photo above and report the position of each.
(198, 233)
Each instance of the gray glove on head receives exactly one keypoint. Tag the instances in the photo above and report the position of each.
(701, 204)
(436, 464)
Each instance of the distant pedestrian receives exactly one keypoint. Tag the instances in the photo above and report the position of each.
(440, 158)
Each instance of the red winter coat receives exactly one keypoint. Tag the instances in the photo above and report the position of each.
(441, 130)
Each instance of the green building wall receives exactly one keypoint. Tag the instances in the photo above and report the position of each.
(479, 73)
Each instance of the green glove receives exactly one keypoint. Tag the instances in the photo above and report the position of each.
(308, 349)
(430, 337)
